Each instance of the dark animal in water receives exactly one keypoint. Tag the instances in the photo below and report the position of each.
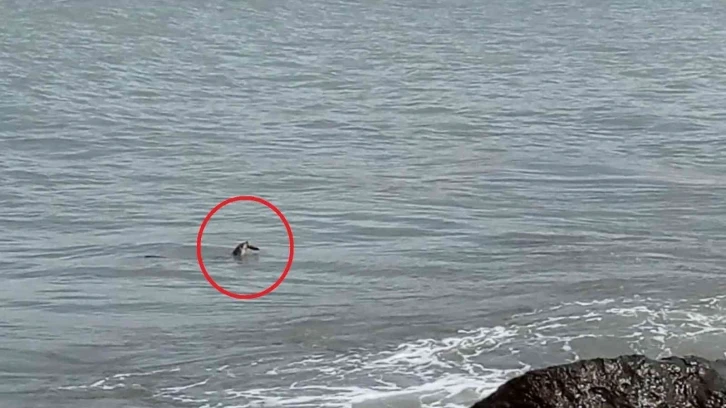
(243, 248)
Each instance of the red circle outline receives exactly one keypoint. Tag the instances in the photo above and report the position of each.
(290, 257)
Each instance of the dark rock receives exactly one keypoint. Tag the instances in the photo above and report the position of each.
(625, 382)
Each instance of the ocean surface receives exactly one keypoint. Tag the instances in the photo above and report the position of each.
(476, 188)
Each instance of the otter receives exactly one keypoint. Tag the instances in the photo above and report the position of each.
(242, 249)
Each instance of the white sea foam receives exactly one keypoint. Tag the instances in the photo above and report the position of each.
(455, 371)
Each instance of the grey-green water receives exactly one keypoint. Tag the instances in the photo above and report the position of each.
(475, 188)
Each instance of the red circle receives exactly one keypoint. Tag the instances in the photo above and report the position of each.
(289, 257)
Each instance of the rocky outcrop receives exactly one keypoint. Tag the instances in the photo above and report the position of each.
(625, 382)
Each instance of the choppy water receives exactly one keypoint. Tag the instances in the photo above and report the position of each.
(475, 188)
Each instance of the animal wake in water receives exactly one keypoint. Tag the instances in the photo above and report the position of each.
(240, 251)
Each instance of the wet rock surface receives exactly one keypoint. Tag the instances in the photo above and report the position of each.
(632, 381)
